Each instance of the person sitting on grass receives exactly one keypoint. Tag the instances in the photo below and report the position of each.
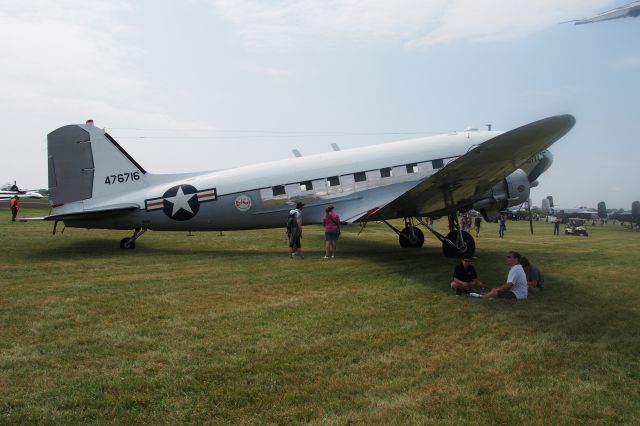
(535, 279)
(465, 278)
(516, 285)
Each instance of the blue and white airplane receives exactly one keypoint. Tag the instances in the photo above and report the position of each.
(95, 183)
(10, 190)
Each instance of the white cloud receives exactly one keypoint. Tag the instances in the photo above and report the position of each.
(288, 23)
(67, 61)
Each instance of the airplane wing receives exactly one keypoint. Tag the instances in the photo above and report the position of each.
(631, 10)
(471, 175)
(27, 194)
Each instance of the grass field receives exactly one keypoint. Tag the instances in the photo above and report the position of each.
(226, 329)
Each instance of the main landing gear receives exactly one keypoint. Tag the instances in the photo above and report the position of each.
(130, 242)
(456, 243)
(410, 236)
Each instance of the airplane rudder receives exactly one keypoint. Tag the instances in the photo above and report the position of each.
(70, 165)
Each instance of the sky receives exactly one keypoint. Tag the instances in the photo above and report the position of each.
(210, 84)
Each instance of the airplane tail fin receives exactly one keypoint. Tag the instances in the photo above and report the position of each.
(602, 210)
(86, 163)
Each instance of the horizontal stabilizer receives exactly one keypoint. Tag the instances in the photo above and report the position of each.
(92, 213)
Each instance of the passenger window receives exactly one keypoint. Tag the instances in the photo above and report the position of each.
(333, 181)
(278, 190)
(412, 168)
(306, 186)
(437, 164)
(386, 172)
(359, 176)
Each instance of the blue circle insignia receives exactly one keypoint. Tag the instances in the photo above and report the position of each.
(181, 202)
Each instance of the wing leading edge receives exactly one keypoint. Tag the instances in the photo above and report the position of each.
(469, 176)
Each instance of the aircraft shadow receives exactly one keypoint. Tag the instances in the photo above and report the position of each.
(426, 266)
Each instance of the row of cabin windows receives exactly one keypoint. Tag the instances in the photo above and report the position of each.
(357, 177)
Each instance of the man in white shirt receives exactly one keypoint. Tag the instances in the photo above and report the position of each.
(516, 286)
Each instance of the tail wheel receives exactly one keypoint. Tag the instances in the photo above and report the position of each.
(466, 245)
(411, 237)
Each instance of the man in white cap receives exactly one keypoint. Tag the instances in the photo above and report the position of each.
(294, 231)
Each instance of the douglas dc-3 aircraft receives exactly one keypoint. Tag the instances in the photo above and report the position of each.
(94, 183)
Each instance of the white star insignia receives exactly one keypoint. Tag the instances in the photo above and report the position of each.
(180, 201)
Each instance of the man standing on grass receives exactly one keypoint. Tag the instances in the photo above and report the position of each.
(14, 204)
(516, 285)
(502, 226)
(295, 232)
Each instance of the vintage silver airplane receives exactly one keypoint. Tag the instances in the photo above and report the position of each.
(630, 10)
(9, 190)
(94, 183)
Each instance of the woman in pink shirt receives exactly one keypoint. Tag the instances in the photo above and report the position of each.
(331, 222)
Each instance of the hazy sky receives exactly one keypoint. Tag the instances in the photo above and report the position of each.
(210, 84)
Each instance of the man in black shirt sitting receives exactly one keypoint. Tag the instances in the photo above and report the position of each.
(465, 278)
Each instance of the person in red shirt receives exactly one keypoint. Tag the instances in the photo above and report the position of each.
(331, 222)
(14, 204)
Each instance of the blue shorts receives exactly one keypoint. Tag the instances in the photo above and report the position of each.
(331, 236)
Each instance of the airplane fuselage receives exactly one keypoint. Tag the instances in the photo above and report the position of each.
(260, 195)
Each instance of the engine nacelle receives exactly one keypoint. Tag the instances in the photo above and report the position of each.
(512, 191)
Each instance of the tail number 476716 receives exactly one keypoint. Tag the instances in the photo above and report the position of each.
(122, 178)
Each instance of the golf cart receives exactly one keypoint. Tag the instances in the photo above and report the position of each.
(576, 227)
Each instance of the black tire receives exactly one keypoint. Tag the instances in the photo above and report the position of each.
(407, 241)
(450, 251)
(125, 244)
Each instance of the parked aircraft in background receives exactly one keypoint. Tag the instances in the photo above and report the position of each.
(579, 212)
(9, 190)
(94, 183)
(628, 216)
(631, 10)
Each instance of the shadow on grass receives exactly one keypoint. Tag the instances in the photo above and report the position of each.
(567, 309)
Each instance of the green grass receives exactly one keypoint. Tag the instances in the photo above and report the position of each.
(211, 329)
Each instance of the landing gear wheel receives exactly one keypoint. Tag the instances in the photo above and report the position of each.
(469, 246)
(411, 238)
(126, 244)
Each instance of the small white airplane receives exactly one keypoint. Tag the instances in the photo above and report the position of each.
(10, 190)
(631, 10)
(94, 183)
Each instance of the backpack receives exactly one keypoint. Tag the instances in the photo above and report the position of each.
(291, 221)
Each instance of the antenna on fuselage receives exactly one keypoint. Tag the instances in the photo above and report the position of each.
(296, 153)
(335, 147)
(488, 126)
